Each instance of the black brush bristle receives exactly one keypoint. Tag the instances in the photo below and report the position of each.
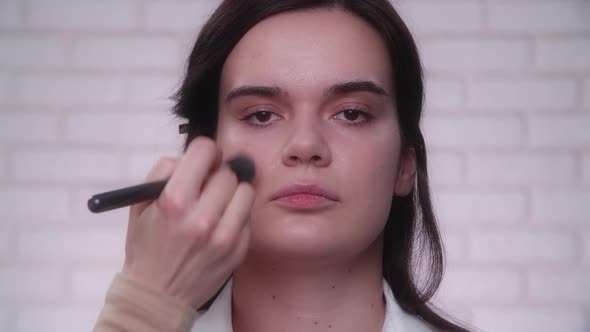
(243, 167)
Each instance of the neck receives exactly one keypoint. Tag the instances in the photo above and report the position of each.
(273, 295)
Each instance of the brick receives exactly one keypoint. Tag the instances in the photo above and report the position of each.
(529, 319)
(3, 167)
(56, 318)
(20, 283)
(32, 52)
(5, 319)
(521, 168)
(127, 53)
(66, 166)
(560, 131)
(139, 164)
(153, 90)
(4, 84)
(445, 168)
(522, 247)
(472, 132)
(455, 246)
(473, 55)
(586, 240)
(9, 13)
(177, 16)
(465, 285)
(434, 17)
(156, 129)
(69, 89)
(560, 206)
(540, 17)
(107, 15)
(563, 55)
(84, 246)
(33, 202)
(28, 127)
(483, 207)
(565, 287)
(530, 95)
(5, 244)
(92, 284)
(444, 94)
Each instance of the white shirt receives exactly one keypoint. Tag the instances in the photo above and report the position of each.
(218, 317)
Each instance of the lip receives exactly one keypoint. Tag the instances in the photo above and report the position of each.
(304, 196)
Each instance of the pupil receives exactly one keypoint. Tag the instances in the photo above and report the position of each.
(351, 115)
(263, 116)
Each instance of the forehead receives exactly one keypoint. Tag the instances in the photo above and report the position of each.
(306, 49)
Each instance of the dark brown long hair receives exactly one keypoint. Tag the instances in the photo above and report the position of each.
(411, 235)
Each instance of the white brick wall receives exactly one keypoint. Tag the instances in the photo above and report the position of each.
(586, 239)
(564, 55)
(450, 16)
(562, 287)
(177, 16)
(484, 286)
(84, 108)
(476, 55)
(539, 17)
(560, 131)
(32, 52)
(516, 94)
(523, 247)
(33, 283)
(33, 202)
(21, 126)
(74, 15)
(520, 168)
(480, 206)
(472, 132)
(9, 14)
(72, 89)
(535, 319)
(123, 53)
(560, 206)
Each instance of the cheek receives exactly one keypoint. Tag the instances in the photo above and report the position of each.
(373, 166)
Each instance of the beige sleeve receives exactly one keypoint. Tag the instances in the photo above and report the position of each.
(131, 307)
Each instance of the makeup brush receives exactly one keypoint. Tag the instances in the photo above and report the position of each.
(241, 165)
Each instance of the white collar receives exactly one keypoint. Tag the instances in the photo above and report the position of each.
(218, 317)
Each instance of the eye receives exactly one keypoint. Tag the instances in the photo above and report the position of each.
(261, 118)
(353, 116)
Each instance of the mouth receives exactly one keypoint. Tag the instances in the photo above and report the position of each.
(305, 197)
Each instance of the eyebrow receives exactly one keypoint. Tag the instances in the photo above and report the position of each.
(250, 90)
(336, 89)
(356, 86)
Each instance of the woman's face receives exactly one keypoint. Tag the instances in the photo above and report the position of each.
(309, 96)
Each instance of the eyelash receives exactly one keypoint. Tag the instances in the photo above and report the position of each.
(367, 117)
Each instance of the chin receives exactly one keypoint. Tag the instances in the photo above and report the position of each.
(307, 236)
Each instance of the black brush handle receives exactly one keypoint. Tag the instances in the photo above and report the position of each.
(119, 198)
(241, 165)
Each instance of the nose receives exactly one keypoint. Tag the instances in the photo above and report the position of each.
(306, 144)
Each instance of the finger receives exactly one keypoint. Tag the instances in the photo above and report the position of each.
(241, 247)
(235, 217)
(185, 184)
(161, 170)
(214, 199)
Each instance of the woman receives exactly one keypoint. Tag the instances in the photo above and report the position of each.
(326, 98)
